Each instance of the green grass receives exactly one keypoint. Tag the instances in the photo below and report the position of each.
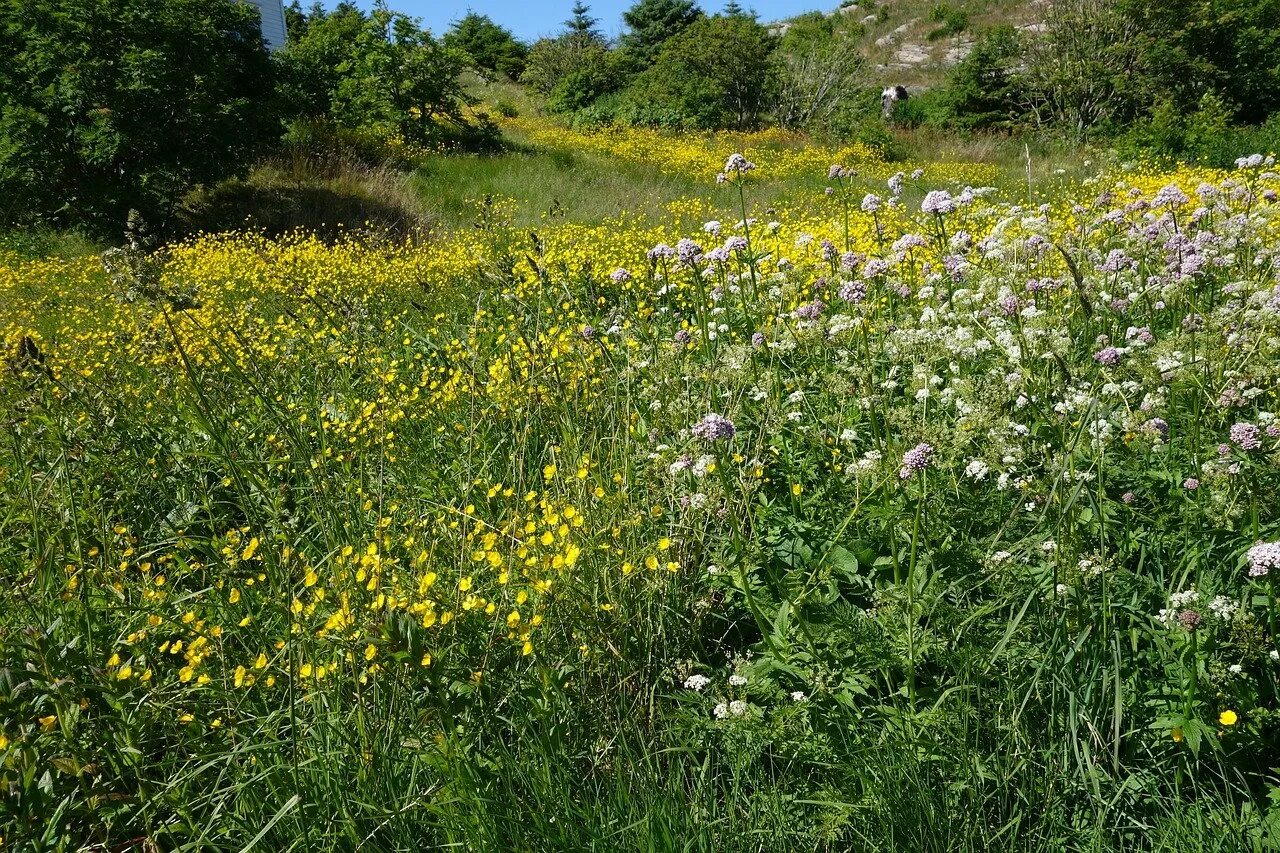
(544, 184)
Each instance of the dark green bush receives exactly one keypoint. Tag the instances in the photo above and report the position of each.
(108, 105)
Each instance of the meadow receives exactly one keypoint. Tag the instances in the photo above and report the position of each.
(723, 492)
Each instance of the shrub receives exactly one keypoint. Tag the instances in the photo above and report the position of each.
(107, 105)
(488, 46)
(719, 72)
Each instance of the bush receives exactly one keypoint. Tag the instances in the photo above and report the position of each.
(984, 90)
(488, 46)
(719, 72)
(953, 21)
(107, 105)
(1205, 136)
(552, 60)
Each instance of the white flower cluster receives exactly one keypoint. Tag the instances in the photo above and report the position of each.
(736, 708)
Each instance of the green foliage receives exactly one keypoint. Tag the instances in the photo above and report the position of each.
(318, 55)
(1205, 135)
(719, 72)
(821, 71)
(651, 22)
(952, 20)
(1230, 48)
(381, 69)
(984, 90)
(489, 46)
(553, 60)
(107, 105)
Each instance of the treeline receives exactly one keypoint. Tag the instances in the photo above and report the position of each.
(112, 105)
(1198, 79)
(677, 67)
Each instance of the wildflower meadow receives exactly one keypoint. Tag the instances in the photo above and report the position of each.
(904, 508)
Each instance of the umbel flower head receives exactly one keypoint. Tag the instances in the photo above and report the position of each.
(736, 166)
(916, 459)
(1262, 558)
(714, 427)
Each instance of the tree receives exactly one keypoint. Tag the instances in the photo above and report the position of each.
(399, 75)
(582, 24)
(318, 56)
(652, 22)
(1190, 48)
(719, 72)
(380, 69)
(489, 46)
(107, 105)
(553, 60)
(820, 70)
(1082, 71)
(985, 89)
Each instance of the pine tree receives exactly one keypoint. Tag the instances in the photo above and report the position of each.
(652, 22)
(582, 24)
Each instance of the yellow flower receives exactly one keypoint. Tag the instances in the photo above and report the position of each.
(47, 723)
(1177, 735)
(1228, 717)
(796, 489)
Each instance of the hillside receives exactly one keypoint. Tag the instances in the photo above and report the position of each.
(914, 42)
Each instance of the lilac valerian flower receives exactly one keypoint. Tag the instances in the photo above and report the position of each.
(1170, 195)
(875, 267)
(938, 202)
(683, 336)
(714, 427)
(853, 291)
(736, 244)
(620, 276)
(871, 203)
(836, 172)
(916, 459)
(1140, 335)
(1117, 261)
(661, 251)
(850, 260)
(688, 252)
(1191, 484)
(757, 339)
(1190, 619)
(1157, 427)
(1107, 356)
(1262, 558)
(1246, 436)
(811, 310)
(737, 164)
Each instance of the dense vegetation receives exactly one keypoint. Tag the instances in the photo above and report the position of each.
(525, 476)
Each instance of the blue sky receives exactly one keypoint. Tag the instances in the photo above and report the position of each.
(529, 19)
